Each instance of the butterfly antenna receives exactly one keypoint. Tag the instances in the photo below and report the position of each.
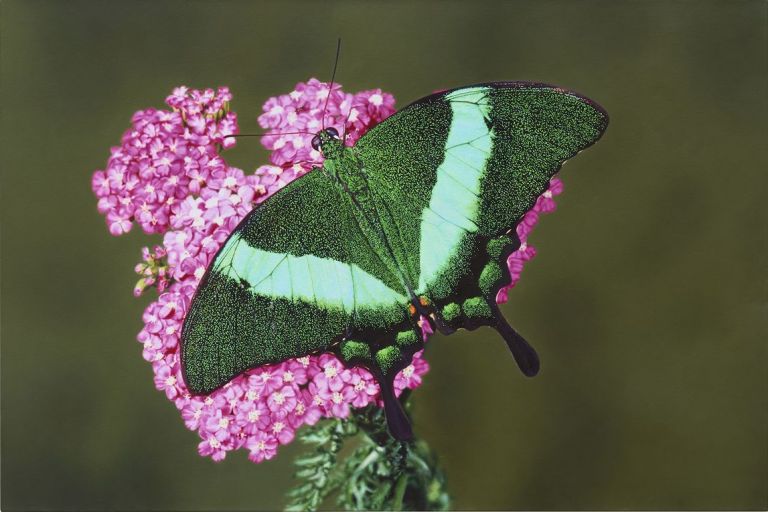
(333, 77)
(265, 134)
(302, 162)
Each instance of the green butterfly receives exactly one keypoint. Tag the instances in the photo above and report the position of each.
(416, 220)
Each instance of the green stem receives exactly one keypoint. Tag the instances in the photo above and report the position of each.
(397, 499)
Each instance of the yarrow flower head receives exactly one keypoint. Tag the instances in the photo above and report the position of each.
(164, 157)
(168, 176)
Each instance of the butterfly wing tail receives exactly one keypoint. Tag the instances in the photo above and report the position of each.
(525, 355)
(397, 421)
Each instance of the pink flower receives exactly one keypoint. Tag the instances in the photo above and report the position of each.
(516, 261)
(168, 379)
(272, 178)
(332, 373)
(546, 202)
(214, 447)
(283, 431)
(307, 412)
(192, 413)
(337, 402)
(316, 398)
(252, 415)
(295, 372)
(410, 376)
(364, 387)
(282, 401)
(261, 446)
(367, 107)
(271, 378)
(119, 223)
(218, 423)
(527, 223)
(233, 392)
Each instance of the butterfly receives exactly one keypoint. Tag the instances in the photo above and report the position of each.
(413, 222)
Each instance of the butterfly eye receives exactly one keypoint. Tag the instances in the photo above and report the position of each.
(316, 142)
(332, 132)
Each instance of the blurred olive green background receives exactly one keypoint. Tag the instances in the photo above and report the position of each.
(647, 301)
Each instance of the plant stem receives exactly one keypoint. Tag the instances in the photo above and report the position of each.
(399, 494)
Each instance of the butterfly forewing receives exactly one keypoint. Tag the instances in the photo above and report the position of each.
(469, 163)
(293, 277)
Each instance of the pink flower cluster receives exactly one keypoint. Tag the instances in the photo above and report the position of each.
(168, 175)
(544, 204)
(164, 157)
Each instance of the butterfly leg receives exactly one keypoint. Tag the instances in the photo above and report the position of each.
(442, 324)
(435, 316)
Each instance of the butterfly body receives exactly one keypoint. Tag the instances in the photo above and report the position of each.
(414, 222)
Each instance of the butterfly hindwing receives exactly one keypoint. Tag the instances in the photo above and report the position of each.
(294, 277)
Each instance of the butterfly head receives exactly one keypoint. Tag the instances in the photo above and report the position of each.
(328, 142)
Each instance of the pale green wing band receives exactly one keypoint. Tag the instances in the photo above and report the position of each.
(455, 201)
(324, 282)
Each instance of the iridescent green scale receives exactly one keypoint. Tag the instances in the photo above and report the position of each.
(416, 220)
